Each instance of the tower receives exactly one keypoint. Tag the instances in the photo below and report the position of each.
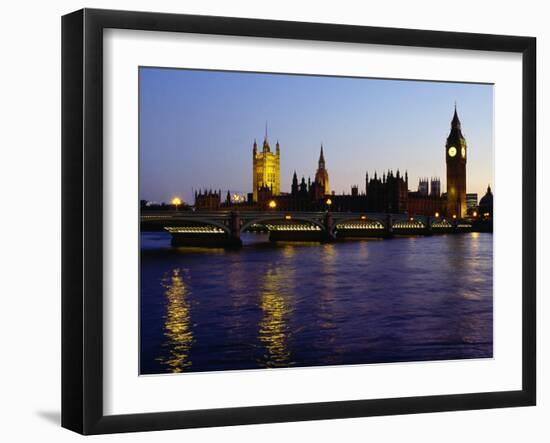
(266, 167)
(321, 176)
(294, 187)
(423, 186)
(455, 155)
(435, 187)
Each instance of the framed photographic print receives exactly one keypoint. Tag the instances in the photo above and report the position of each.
(269, 221)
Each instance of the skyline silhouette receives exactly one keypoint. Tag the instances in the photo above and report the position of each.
(197, 129)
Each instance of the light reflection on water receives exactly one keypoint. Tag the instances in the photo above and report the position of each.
(406, 299)
(273, 328)
(177, 324)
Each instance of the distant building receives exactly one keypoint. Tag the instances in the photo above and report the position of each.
(435, 187)
(208, 199)
(265, 195)
(387, 194)
(423, 186)
(471, 201)
(302, 196)
(486, 204)
(266, 169)
(321, 176)
(427, 201)
(310, 196)
(418, 204)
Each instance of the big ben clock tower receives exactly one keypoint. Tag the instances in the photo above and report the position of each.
(455, 155)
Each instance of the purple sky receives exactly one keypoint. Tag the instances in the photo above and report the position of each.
(197, 129)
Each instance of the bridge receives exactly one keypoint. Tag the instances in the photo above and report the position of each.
(224, 228)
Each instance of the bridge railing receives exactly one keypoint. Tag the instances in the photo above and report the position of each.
(248, 218)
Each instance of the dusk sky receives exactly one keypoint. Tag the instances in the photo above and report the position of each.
(197, 129)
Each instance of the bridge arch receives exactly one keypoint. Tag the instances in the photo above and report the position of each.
(441, 223)
(356, 217)
(410, 222)
(276, 218)
(359, 218)
(182, 222)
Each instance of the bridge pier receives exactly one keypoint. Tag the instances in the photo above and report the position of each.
(328, 224)
(388, 230)
(235, 230)
(428, 225)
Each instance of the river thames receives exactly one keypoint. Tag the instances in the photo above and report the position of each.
(310, 304)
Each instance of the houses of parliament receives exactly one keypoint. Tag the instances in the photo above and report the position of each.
(388, 192)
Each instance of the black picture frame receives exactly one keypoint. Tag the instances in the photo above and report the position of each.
(82, 218)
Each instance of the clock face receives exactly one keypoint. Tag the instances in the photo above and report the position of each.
(452, 151)
(463, 152)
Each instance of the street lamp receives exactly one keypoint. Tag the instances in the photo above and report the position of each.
(272, 204)
(176, 201)
(437, 215)
(475, 214)
(454, 216)
(329, 202)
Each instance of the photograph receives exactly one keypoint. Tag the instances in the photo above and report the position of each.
(291, 220)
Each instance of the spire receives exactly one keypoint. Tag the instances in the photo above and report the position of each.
(303, 186)
(294, 187)
(322, 156)
(265, 147)
(455, 123)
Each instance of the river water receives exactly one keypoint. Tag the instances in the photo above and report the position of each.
(309, 304)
